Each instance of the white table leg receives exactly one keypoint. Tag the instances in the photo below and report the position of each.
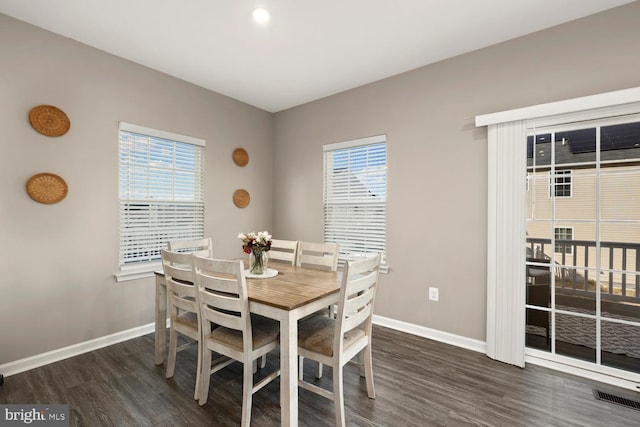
(289, 370)
(161, 320)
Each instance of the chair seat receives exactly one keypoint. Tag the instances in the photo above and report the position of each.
(317, 333)
(264, 331)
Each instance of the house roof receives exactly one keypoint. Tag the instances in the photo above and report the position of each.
(619, 143)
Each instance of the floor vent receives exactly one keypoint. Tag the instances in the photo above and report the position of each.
(622, 401)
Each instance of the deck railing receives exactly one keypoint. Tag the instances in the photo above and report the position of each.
(575, 262)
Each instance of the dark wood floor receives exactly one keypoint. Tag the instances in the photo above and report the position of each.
(419, 382)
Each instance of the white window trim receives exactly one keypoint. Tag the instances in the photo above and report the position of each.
(618, 102)
(573, 237)
(133, 272)
(553, 185)
(148, 269)
(375, 139)
(129, 127)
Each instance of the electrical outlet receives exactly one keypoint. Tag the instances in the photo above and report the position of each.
(433, 294)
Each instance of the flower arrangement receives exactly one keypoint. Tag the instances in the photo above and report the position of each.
(255, 242)
(256, 245)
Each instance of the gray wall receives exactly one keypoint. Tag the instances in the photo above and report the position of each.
(57, 261)
(437, 159)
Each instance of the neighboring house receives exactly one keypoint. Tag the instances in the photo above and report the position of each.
(576, 201)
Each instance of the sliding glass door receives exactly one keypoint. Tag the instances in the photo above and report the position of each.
(583, 244)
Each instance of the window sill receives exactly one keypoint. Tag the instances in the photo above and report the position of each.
(130, 272)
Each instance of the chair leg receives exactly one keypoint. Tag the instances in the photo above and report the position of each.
(205, 375)
(300, 368)
(368, 372)
(338, 395)
(247, 393)
(171, 359)
(198, 371)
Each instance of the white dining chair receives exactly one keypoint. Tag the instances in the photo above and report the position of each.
(284, 250)
(183, 308)
(203, 247)
(240, 336)
(323, 256)
(335, 342)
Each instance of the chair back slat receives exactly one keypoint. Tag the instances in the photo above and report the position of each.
(231, 321)
(184, 304)
(322, 255)
(359, 302)
(363, 282)
(368, 263)
(219, 282)
(284, 250)
(356, 319)
(177, 265)
(200, 247)
(227, 302)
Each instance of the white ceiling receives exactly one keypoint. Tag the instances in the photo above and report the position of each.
(309, 50)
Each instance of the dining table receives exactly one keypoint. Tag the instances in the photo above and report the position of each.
(288, 296)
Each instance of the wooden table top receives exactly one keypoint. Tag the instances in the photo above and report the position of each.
(293, 286)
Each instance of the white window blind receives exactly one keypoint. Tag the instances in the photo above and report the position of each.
(355, 195)
(161, 192)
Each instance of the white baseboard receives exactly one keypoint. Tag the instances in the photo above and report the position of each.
(42, 359)
(433, 334)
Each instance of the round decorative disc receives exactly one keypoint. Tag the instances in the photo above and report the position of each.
(240, 157)
(47, 188)
(49, 120)
(241, 198)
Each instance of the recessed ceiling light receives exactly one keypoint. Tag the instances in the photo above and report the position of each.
(261, 16)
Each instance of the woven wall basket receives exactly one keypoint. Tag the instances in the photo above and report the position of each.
(241, 198)
(240, 157)
(47, 188)
(49, 120)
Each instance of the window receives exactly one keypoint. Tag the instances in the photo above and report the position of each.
(562, 234)
(507, 238)
(355, 195)
(161, 195)
(560, 186)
